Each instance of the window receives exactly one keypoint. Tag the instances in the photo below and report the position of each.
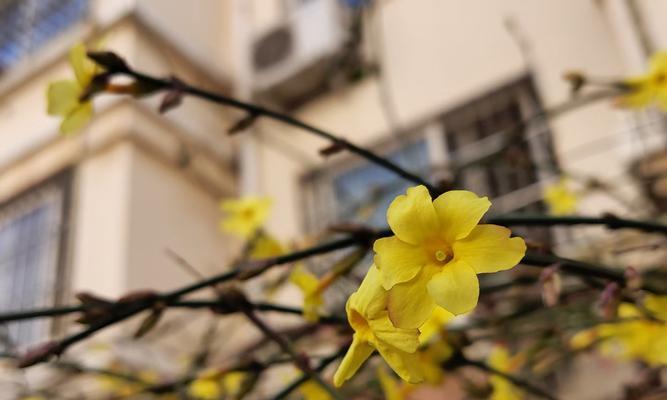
(32, 228)
(363, 193)
(27, 25)
(495, 154)
(482, 146)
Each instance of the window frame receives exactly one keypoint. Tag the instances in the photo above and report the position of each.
(433, 130)
(63, 182)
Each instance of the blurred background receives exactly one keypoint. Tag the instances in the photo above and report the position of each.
(453, 90)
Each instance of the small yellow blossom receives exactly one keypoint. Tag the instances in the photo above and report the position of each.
(266, 246)
(500, 360)
(560, 198)
(311, 390)
(63, 97)
(650, 87)
(391, 388)
(431, 359)
(205, 389)
(434, 325)
(312, 293)
(233, 382)
(436, 253)
(367, 314)
(634, 337)
(245, 216)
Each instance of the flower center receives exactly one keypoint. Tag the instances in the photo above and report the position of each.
(248, 213)
(440, 255)
(439, 251)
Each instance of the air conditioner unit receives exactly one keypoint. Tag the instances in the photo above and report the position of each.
(293, 57)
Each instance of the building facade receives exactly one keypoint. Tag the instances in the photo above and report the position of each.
(441, 87)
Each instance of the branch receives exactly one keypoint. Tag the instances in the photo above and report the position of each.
(516, 381)
(244, 271)
(609, 221)
(304, 378)
(254, 111)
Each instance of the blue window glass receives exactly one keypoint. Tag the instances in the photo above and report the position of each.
(363, 194)
(26, 25)
(30, 237)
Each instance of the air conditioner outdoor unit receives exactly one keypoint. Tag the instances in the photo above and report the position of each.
(292, 57)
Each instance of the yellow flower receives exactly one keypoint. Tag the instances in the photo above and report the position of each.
(632, 338)
(366, 312)
(312, 294)
(436, 253)
(502, 388)
(392, 389)
(311, 390)
(63, 97)
(560, 198)
(434, 325)
(266, 246)
(648, 88)
(233, 382)
(245, 216)
(431, 360)
(205, 389)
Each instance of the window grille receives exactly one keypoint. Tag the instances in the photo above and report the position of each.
(27, 25)
(32, 231)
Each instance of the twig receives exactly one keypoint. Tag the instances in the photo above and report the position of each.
(524, 384)
(254, 111)
(608, 221)
(304, 378)
(299, 360)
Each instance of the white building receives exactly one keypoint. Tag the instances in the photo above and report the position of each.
(99, 210)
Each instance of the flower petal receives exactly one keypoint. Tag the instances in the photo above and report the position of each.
(358, 352)
(77, 119)
(456, 288)
(458, 212)
(411, 216)
(370, 299)
(83, 67)
(62, 97)
(489, 248)
(409, 304)
(403, 339)
(397, 261)
(406, 365)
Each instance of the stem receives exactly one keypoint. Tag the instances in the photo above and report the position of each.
(304, 378)
(255, 110)
(300, 360)
(527, 386)
(585, 269)
(609, 221)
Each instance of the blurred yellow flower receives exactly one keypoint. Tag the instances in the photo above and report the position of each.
(633, 337)
(500, 360)
(63, 97)
(245, 216)
(205, 389)
(560, 199)
(312, 294)
(311, 390)
(434, 325)
(391, 388)
(436, 253)
(266, 246)
(650, 87)
(233, 382)
(431, 360)
(366, 312)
